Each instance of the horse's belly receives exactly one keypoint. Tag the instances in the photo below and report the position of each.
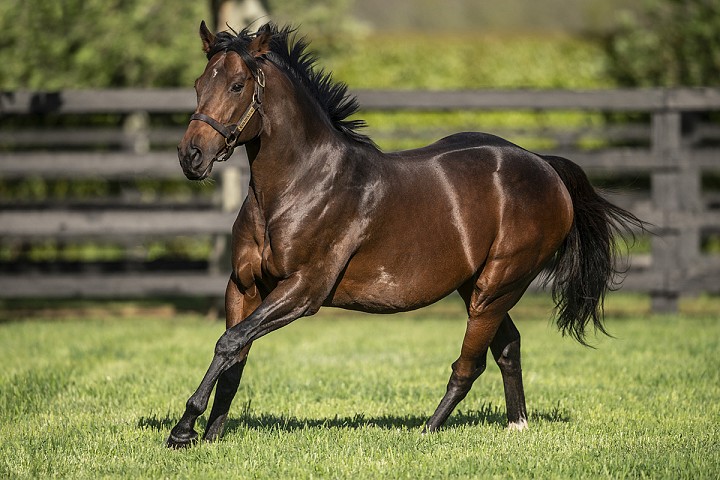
(425, 250)
(380, 288)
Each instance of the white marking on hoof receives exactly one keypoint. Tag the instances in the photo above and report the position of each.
(518, 426)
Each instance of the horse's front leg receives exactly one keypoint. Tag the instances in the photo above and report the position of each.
(184, 434)
(287, 302)
(239, 304)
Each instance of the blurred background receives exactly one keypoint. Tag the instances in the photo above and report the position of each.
(97, 94)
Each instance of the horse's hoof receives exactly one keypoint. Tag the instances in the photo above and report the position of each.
(184, 440)
(518, 426)
(428, 429)
(214, 431)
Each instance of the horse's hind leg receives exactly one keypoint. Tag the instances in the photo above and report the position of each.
(466, 369)
(505, 348)
(237, 307)
(494, 293)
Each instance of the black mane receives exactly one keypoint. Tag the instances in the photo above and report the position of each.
(292, 56)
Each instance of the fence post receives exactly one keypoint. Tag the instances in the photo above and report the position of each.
(231, 188)
(676, 196)
(135, 128)
(136, 140)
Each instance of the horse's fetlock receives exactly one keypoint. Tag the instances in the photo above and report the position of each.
(194, 406)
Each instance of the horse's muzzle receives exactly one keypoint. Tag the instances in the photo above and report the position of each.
(194, 163)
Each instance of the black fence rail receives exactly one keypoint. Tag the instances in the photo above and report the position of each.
(667, 138)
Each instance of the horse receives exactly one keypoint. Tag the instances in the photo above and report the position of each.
(331, 220)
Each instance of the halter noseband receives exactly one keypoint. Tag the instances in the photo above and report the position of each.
(232, 132)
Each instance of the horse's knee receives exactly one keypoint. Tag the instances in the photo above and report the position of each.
(228, 346)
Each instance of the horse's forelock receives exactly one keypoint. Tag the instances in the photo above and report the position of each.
(238, 43)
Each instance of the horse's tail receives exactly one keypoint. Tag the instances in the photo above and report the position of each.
(584, 268)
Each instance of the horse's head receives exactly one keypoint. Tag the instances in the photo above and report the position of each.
(229, 97)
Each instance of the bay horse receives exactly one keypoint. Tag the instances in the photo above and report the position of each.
(330, 220)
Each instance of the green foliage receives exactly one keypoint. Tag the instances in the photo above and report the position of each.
(148, 43)
(403, 130)
(193, 248)
(327, 23)
(38, 189)
(467, 61)
(668, 43)
(52, 45)
(474, 15)
(345, 397)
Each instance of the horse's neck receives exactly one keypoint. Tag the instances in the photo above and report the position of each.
(322, 171)
(292, 132)
(282, 164)
(299, 149)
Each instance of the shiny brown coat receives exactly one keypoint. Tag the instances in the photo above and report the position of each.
(330, 220)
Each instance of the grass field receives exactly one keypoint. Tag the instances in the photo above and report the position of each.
(344, 395)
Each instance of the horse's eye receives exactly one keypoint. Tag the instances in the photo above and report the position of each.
(236, 87)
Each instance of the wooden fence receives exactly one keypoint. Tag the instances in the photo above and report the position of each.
(673, 152)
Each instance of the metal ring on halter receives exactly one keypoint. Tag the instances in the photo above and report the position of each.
(260, 78)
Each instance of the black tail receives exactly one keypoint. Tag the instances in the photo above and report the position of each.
(585, 265)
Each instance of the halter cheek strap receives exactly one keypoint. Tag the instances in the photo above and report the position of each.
(231, 132)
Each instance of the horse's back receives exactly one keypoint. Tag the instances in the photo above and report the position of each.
(477, 164)
(457, 141)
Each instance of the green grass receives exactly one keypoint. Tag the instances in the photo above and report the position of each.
(344, 395)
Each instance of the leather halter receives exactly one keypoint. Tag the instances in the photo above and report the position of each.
(231, 132)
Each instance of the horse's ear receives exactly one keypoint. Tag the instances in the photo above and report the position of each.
(207, 37)
(260, 45)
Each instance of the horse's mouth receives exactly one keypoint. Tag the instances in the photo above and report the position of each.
(203, 175)
(222, 156)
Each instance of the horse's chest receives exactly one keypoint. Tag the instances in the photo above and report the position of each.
(268, 266)
(271, 255)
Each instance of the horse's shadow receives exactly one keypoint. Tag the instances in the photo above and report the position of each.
(488, 414)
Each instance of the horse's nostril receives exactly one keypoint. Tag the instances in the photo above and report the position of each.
(195, 157)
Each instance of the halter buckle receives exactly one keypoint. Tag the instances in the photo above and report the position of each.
(260, 78)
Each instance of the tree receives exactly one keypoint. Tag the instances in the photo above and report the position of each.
(239, 13)
(667, 43)
(99, 43)
(329, 24)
